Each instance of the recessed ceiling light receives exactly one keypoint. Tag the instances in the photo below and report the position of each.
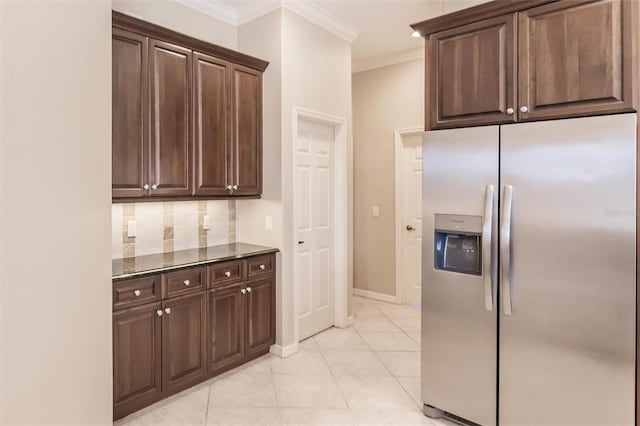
(415, 34)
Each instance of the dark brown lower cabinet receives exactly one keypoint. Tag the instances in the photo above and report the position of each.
(260, 316)
(183, 342)
(137, 370)
(188, 335)
(225, 329)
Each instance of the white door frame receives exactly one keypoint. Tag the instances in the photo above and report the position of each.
(398, 134)
(340, 211)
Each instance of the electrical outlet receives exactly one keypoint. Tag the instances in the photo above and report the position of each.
(131, 228)
(205, 222)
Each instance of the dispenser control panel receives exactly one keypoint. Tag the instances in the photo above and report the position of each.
(458, 243)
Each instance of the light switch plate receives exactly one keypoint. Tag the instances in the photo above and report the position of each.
(206, 225)
(375, 211)
(131, 228)
(268, 223)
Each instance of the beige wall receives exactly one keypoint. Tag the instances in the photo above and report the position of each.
(183, 19)
(55, 203)
(449, 6)
(384, 99)
(310, 68)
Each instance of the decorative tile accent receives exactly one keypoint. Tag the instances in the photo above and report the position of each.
(169, 226)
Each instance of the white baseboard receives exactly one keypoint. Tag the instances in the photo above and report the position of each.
(376, 296)
(285, 351)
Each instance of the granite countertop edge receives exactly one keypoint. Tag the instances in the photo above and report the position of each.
(139, 266)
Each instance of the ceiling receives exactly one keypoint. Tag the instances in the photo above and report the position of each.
(378, 29)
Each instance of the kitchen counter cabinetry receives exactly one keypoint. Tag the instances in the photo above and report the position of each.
(187, 116)
(175, 328)
(503, 62)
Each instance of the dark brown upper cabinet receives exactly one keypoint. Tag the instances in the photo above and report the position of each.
(506, 61)
(473, 73)
(247, 131)
(575, 59)
(129, 114)
(213, 174)
(171, 145)
(187, 116)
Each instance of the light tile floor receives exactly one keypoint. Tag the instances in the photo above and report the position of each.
(368, 374)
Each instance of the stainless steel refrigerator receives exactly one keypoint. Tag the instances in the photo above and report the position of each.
(529, 272)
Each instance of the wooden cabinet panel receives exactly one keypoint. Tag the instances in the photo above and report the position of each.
(225, 328)
(260, 315)
(136, 358)
(183, 281)
(183, 341)
(225, 273)
(170, 166)
(473, 72)
(247, 130)
(129, 123)
(136, 291)
(575, 59)
(260, 265)
(212, 125)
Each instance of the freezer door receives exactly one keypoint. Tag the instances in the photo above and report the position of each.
(567, 347)
(459, 323)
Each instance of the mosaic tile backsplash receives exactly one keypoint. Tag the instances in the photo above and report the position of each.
(169, 226)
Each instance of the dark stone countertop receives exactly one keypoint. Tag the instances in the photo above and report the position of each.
(162, 262)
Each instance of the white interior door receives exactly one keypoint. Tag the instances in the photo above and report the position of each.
(411, 220)
(315, 226)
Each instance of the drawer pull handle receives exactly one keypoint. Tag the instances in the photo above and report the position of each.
(159, 312)
(136, 293)
(167, 310)
(227, 274)
(243, 291)
(187, 283)
(248, 289)
(262, 267)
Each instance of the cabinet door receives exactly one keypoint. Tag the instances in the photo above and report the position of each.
(247, 131)
(136, 358)
(129, 125)
(575, 59)
(212, 124)
(170, 124)
(225, 331)
(183, 342)
(473, 70)
(260, 315)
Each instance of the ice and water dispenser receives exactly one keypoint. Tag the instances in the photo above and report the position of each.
(458, 243)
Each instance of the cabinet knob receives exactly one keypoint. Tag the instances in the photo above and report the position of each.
(229, 188)
(136, 293)
(509, 111)
(154, 186)
(227, 274)
(159, 312)
(187, 283)
(243, 291)
(235, 187)
(167, 310)
(146, 186)
(524, 109)
(248, 289)
(262, 267)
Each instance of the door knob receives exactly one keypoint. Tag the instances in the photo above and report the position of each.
(410, 228)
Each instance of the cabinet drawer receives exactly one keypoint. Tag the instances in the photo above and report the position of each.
(183, 281)
(225, 273)
(260, 265)
(136, 291)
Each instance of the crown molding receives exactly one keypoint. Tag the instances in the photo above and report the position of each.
(322, 18)
(386, 60)
(213, 8)
(305, 8)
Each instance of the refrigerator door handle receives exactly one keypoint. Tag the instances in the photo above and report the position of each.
(505, 249)
(487, 251)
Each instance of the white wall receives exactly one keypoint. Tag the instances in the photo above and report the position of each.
(449, 6)
(55, 197)
(180, 18)
(384, 99)
(309, 68)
